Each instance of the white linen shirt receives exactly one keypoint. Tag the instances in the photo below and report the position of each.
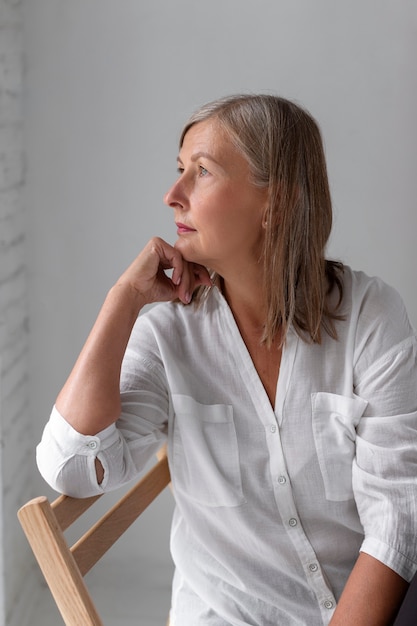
(272, 504)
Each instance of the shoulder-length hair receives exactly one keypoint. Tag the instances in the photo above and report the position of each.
(284, 148)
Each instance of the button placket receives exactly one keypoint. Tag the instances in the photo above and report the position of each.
(293, 524)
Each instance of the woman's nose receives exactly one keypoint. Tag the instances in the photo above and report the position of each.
(174, 197)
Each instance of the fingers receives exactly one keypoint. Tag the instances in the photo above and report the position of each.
(169, 258)
(186, 276)
(158, 257)
(193, 275)
(202, 276)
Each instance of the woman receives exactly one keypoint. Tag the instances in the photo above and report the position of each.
(283, 383)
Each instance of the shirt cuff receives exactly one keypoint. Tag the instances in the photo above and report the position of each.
(72, 442)
(389, 557)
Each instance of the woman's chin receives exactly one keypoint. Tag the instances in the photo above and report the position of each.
(186, 250)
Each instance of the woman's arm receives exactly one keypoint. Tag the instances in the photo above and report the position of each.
(90, 398)
(372, 596)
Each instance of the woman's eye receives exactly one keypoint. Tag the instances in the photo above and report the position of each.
(203, 171)
(180, 170)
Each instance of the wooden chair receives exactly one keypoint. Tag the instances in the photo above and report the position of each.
(64, 567)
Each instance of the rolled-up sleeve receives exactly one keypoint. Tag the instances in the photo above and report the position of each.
(385, 486)
(385, 466)
(66, 458)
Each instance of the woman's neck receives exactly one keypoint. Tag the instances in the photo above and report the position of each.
(246, 300)
(247, 303)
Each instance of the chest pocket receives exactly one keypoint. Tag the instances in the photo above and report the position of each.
(335, 419)
(205, 461)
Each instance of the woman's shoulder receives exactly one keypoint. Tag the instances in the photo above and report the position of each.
(370, 294)
(374, 307)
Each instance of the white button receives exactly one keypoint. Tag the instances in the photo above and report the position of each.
(293, 522)
(313, 567)
(92, 445)
(282, 480)
(273, 429)
(328, 604)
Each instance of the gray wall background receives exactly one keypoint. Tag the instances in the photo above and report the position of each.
(108, 86)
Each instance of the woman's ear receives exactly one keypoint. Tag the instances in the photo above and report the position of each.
(265, 218)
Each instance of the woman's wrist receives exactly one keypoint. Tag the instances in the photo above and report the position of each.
(128, 296)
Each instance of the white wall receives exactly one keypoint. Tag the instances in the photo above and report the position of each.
(109, 85)
(16, 442)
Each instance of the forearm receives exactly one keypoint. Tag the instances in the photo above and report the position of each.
(90, 398)
(372, 596)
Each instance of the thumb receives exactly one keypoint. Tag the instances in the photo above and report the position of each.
(201, 276)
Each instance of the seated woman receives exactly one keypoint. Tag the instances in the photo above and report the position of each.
(283, 383)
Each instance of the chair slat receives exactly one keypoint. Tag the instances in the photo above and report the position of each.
(57, 564)
(67, 509)
(100, 537)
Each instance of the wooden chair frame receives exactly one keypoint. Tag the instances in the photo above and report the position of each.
(63, 566)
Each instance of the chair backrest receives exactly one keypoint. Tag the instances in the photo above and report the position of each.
(63, 566)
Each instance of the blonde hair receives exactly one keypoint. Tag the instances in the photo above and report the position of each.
(283, 146)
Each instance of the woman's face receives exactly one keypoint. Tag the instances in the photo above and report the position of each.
(217, 209)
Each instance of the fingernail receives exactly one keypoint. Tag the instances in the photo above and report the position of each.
(188, 297)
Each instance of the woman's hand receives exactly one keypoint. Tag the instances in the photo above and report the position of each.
(90, 398)
(147, 274)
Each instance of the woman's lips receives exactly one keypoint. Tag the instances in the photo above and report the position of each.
(183, 228)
